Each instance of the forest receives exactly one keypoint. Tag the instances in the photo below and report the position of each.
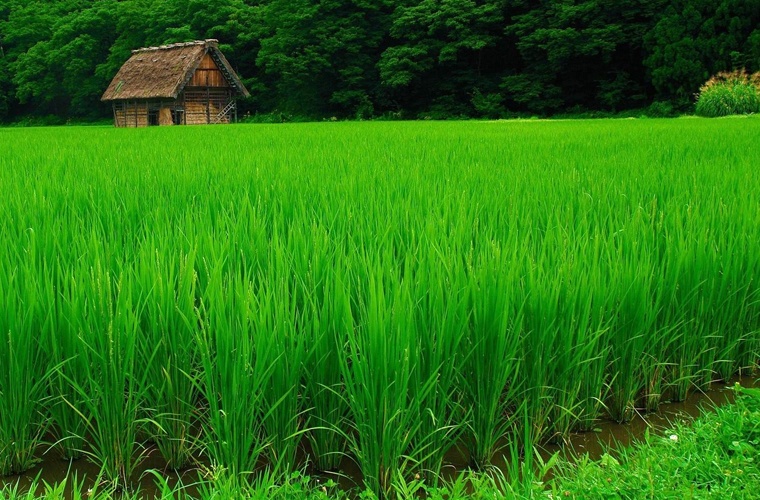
(362, 59)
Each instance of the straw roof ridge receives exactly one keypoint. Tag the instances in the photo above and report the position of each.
(207, 41)
(163, 71)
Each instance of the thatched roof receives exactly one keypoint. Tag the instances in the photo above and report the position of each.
(162, 72)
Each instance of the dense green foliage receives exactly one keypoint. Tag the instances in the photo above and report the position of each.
(382, 291)
(409, 58)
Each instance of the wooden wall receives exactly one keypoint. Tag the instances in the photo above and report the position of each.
(203, 105)
(131, 114)
(208, 75)
(195, 106)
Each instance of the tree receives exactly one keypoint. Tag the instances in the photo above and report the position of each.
(58, 74)
(579, 53)
(358, 58)
(693, 40)
(321, 54)
(6, 86)
(444, 53)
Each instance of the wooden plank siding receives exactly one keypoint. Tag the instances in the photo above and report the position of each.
(196, 106)
(202, 105)
(131, 114)
(208, 74)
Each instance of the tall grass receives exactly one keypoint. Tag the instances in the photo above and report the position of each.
(378, 370)
(328, 322)
(441, 322)
(23, 371)
(279, 335)
(115, 378)
(383, 293)
(65, 403)
(492, 381)
(729, 93)
(170, 325)
(233, 375)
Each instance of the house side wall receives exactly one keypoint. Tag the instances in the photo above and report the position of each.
(194, 106)
(205, 105)
(208, 74)
(130, 114)
(133, 114)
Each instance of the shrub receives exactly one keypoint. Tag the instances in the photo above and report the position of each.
(660, 109)
(729, 93)
(487, 105)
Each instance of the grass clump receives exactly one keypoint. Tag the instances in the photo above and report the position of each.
(729, 93)
(716, 456)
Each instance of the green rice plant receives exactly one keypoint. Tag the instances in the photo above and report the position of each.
(729, 93)
(64, 350)
(115, 378)
(560, 311)
(631, 332)
(321, 300)
(524, 474)
(328, 320)
(659, 327)
(733, 304)
(377, 368)
(277, 334)
(169, 329)
(552, 396)
(440, 304)
(689, 328)
(748, 351)
(23, 370)
(741, 352)
(590, 321)
(673, 365)
(491, 283)
(493, 376)
(234, 372)
(549, 404)
(707, 314)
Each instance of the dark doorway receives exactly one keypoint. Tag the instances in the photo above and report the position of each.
(152, 117)
(178, 116)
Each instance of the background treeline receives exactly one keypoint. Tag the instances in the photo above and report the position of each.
(392, 58)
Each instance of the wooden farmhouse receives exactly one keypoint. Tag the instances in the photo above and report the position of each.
(177, 84)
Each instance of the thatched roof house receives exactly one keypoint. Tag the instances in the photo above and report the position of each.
(177, 84)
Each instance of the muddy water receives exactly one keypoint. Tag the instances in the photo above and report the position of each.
(53, 469)
(611, 435)
(607, 437)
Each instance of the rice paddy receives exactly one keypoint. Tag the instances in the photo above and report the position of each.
(260, 299)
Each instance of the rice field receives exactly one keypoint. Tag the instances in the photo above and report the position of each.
(266, 298)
